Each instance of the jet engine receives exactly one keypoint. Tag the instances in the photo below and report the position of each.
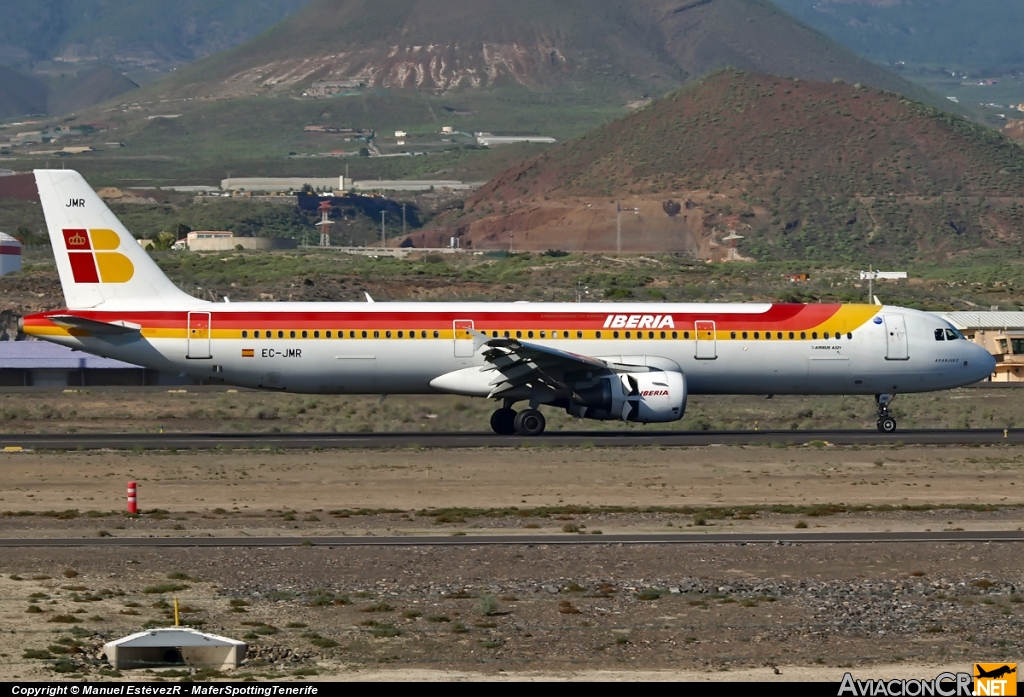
(653, 397)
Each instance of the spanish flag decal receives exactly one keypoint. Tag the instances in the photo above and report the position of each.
(247, 353)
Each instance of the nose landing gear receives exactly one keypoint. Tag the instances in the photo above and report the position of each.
(886, 422)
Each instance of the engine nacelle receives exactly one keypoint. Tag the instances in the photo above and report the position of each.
(653, 397)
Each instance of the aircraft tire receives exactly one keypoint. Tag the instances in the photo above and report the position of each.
(530, 422)
(503, 422)
(887, 424)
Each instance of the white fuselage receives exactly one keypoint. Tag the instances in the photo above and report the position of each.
(894, 350)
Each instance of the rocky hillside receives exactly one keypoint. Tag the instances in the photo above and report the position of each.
(602, 47)
(800, 169)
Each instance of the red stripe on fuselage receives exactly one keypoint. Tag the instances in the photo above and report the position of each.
(785, 317)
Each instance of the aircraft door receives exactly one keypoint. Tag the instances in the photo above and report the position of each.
(198, 335)
(463, 339)
(896, 348)
(706, 348)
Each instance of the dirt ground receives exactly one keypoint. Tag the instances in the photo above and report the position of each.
(602, 612)
(258, 481)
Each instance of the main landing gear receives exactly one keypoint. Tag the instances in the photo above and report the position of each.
(528, 422)
(886, 422)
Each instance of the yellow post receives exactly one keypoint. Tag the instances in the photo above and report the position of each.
(177, 623)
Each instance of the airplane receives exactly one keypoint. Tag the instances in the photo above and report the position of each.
(634, 362)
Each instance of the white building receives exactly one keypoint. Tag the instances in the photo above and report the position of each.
(10, 254)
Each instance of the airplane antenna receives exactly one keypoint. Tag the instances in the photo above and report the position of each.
(368, 298)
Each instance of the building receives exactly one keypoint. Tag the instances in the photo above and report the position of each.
(487, 140)
(225, 240)
(1001, 333)
(10, 254)
(42, 364)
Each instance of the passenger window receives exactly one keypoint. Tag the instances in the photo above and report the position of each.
(544, 334)
(387, 334)
(256, 334)
(814, 335)
(329, 334)
(663, 335)
(951, 335)
(849, 335)
(437, 334)
(686, 335)
(744, 335)
(316, 335)
(579, 335)
(305, 334)
(519, 335)
(779, 335)
(757, 335)
(615, 335)
(364, 333)
(376, 334)
(803, 335)
(627, 335)
(675, 335)
(940, 335)
(529, 334)
(791, 335)
(826, 335)
(732, 335)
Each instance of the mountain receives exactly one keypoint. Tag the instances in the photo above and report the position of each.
(156, 33)
(799, 169)
(623, 48)
(981, 36)
(22, 94)
(555, 68)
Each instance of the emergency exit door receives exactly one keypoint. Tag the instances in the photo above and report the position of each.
(707, 348)
(896, 348)
(198, 335)
(463, 338)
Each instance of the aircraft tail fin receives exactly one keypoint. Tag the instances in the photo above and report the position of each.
(98, 260)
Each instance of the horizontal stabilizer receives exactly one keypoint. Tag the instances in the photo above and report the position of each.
(95, 327)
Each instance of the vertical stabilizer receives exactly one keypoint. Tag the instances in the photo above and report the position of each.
(99, 262)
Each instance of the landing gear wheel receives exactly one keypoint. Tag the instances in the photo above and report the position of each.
(503, 422)
(530, 422)
(887, 424)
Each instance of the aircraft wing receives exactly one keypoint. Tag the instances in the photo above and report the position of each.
(95, 327)
(521, 363)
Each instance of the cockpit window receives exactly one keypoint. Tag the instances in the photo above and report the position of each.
(952, 334)
(940, 335)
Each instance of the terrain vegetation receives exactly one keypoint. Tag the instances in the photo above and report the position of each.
(801, 170)
(418, 66)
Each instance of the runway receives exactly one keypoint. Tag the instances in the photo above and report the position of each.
(940, 537)
(575, 439)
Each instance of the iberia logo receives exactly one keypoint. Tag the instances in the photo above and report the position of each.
(93, 259)
(995, 679)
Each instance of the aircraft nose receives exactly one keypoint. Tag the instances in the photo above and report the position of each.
(982, 363)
